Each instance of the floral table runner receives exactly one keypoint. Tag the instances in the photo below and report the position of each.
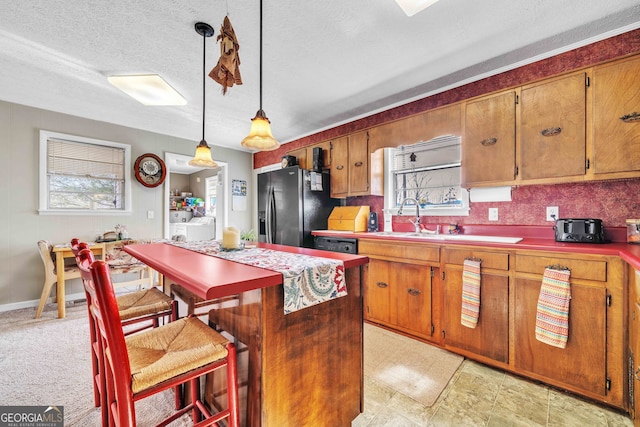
(308, 280)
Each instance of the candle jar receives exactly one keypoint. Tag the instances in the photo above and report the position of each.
(231, 238)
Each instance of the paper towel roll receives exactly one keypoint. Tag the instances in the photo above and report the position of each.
(490, 194)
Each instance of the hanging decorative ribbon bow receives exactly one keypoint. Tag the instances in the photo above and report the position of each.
(227, 70)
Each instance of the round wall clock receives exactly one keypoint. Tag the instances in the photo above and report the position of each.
(150, 170)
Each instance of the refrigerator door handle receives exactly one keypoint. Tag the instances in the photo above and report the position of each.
(269, 212)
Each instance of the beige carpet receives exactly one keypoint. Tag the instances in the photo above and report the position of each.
(46, 362)
(417, 370)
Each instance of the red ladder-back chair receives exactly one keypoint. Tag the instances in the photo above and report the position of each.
(157, 359)
(143, 309)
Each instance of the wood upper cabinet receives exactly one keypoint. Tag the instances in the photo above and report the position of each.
(354, 170)
(305, 155)
(420, 127)
(301, 156)
(553, 128)
(359, 164)
(489, 141)
(340, 167)
(490, 337)
(616, 118)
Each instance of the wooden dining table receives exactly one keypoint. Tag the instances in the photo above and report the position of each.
(304, 368)
(63, 252)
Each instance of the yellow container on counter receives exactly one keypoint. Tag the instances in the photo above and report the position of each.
(349, 218)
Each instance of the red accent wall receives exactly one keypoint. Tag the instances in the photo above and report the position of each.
(611, 201)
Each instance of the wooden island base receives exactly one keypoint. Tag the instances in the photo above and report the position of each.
(300, 369)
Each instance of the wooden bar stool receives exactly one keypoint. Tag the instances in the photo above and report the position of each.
(157, 359)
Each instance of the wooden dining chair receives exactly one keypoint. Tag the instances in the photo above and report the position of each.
(50, 275)
(144, 308)
(157, 359)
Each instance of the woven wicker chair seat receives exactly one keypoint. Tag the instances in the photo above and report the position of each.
(159, 354)
(141, 303)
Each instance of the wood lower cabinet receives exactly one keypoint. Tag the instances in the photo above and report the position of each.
(377, 291)
(490, 337)
(634, 344)
(593, 361)
(582, 363)
(404, 290)
(397, 290)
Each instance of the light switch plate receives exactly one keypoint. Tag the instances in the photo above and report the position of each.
(150, 215)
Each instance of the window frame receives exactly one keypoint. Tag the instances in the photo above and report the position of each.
(43, 190)
(390, 200)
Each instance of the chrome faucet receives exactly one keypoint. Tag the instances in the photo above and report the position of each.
(415, 222)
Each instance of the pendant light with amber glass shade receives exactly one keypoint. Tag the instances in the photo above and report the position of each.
(260, 137)
(203, 151)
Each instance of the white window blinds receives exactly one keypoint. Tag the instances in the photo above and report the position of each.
(80, 159)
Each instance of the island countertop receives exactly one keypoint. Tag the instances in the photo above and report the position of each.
(210, 277)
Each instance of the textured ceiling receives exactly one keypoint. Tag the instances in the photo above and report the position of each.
(325, 62)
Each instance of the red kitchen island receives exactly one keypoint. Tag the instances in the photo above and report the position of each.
(303, 368)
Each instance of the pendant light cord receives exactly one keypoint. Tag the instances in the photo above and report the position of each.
(204, 50)
(260, 55)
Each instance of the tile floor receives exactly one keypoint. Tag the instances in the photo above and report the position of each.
(478, 395)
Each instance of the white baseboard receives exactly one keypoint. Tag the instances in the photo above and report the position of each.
(34, 303)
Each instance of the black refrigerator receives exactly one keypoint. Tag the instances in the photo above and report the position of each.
(290, 206)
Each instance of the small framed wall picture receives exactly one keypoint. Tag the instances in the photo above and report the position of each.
(150, 170)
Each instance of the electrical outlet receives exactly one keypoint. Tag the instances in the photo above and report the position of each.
(150, 214)
(493, 214)
(552, 213)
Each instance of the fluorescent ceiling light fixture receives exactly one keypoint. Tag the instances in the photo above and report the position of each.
(148, 89)
(411, 7)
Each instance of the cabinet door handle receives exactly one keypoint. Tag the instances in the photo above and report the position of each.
(358, 164)
(636, 375)
(551, 131)
(413, 291)
(630, 118)
(339, 167)
(489, 141)
(382, 284)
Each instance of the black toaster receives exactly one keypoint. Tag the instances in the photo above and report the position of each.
(579, 230)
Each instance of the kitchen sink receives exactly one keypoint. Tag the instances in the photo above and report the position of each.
(450, 237)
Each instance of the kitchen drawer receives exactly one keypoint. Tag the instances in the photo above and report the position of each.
(586, 269)
(493, 260)
(402, 251)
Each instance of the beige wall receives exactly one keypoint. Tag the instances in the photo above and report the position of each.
(21, 270)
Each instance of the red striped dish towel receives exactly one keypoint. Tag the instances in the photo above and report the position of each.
(470, 293)
(552, 316)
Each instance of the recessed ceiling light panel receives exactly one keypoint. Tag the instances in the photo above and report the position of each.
(148, 89)
(411, 7)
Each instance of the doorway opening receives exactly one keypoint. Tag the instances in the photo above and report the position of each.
(199, 184)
